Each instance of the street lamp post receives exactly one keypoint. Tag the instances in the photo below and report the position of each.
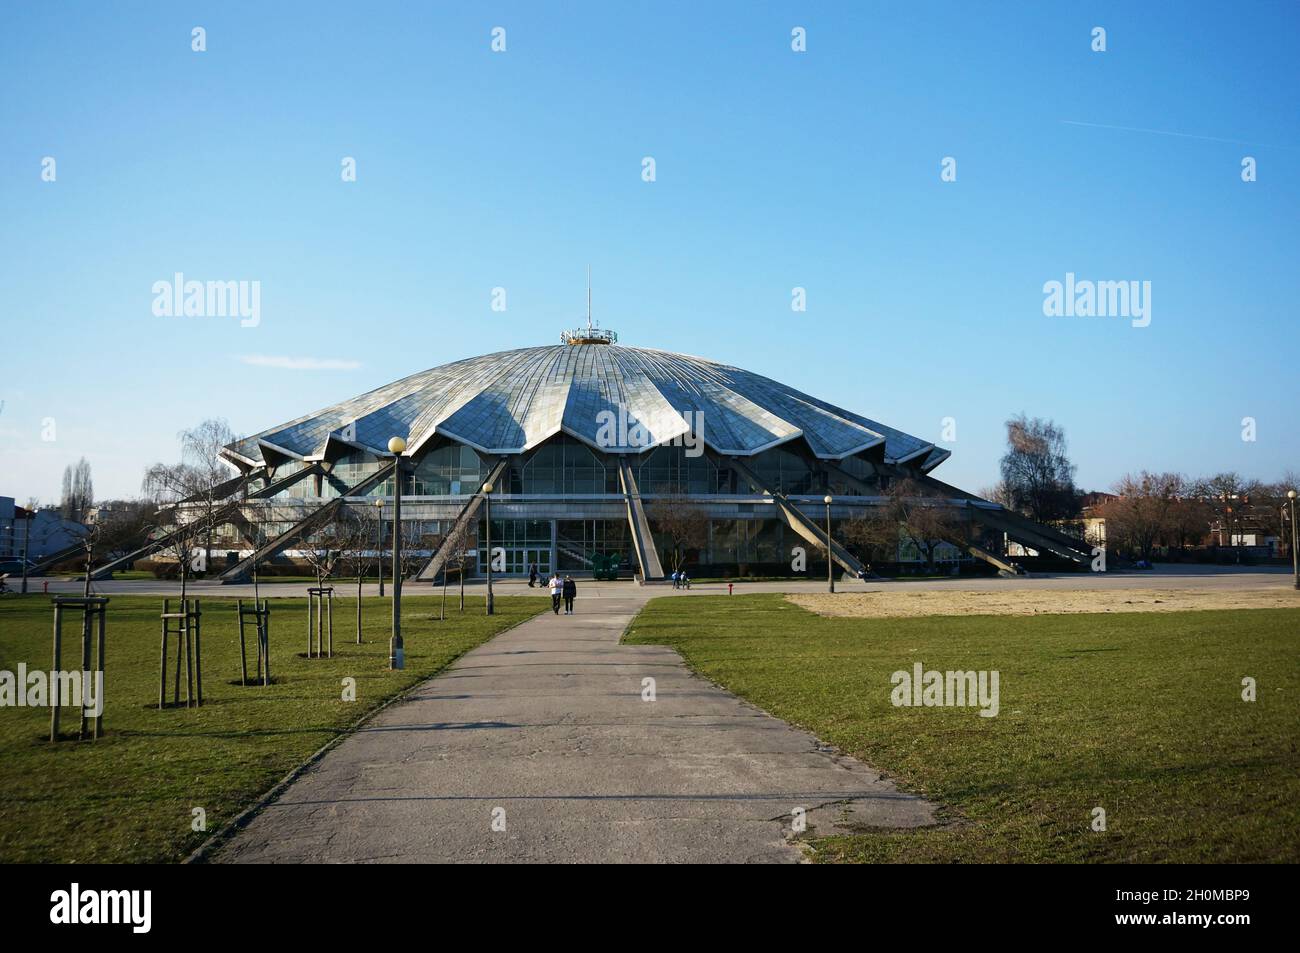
(1232, 537)
(487, 498)
(830, 562)
(379, 544)
(27, 545)
(1295, 557)
(396, 653)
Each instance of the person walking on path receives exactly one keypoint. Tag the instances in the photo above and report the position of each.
(676, 575)
(532, 575)
(570, 592)
(557, 590)
(686, 583)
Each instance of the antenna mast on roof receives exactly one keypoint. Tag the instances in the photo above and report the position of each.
(592, 334)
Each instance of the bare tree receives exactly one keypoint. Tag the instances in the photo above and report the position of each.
(1290, 481)
(191, 492)
(325, 548)
(1140, 514)
(416, 547)
(78, 491)
(925, 521)
(89, 537)
(201, 449)
(1190, 511)
(997, 493)
(682, 523)
(1228, 493)
(1036, 472)
(457, 545)
(1264, 504)
(165, 485)
(122, 526)
(873, 537)
(357, 529)
(181, 538)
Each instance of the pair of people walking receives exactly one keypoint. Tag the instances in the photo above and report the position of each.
(680, 580)
(565, 590)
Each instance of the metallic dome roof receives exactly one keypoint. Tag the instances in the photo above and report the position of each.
(511, 401)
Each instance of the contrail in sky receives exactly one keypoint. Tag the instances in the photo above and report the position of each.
(1165, 132)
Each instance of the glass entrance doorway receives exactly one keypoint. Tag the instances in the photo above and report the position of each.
(519, 560)
(541, 558)
(525, 543)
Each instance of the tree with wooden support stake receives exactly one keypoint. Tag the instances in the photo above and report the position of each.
(92, 620)
(186, 626)
(320, 621)
(323, 552)
(355, 535)
(259, 616)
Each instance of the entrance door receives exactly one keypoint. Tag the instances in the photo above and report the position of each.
(541, 558)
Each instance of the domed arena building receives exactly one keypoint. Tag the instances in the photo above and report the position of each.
(595, 456)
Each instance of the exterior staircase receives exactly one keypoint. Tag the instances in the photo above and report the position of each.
(642, 539)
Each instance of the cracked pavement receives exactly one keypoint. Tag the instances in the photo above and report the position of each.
(545, 728)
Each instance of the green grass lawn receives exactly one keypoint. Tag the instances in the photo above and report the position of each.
(128, 797)
(1140, 714)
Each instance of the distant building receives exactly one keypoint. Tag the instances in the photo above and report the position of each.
(1248, 531)
(50, 531)
(1092, 521)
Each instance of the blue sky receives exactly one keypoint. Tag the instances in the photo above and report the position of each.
(775, 169)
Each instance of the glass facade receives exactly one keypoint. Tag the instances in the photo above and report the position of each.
(348, 471)
(564, 467)
(303, 489)
(530, 543)
(669, 471)
(567, 467)
(745, 541)
(859, 469)
(785, 471)
(449, 470)
(576, 541)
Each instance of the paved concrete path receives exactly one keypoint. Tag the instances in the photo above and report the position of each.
(547, 723)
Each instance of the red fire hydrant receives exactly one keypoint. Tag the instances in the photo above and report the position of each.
(46, 587)
(729, 585)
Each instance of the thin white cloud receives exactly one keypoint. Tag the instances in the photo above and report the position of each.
(300, 363)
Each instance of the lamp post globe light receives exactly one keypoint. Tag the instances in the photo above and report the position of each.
(487, 498)
(1295, 557)
(379, 547)
(830, 562)
(396, 653)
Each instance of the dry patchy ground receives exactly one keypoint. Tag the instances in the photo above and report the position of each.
(899, 603)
